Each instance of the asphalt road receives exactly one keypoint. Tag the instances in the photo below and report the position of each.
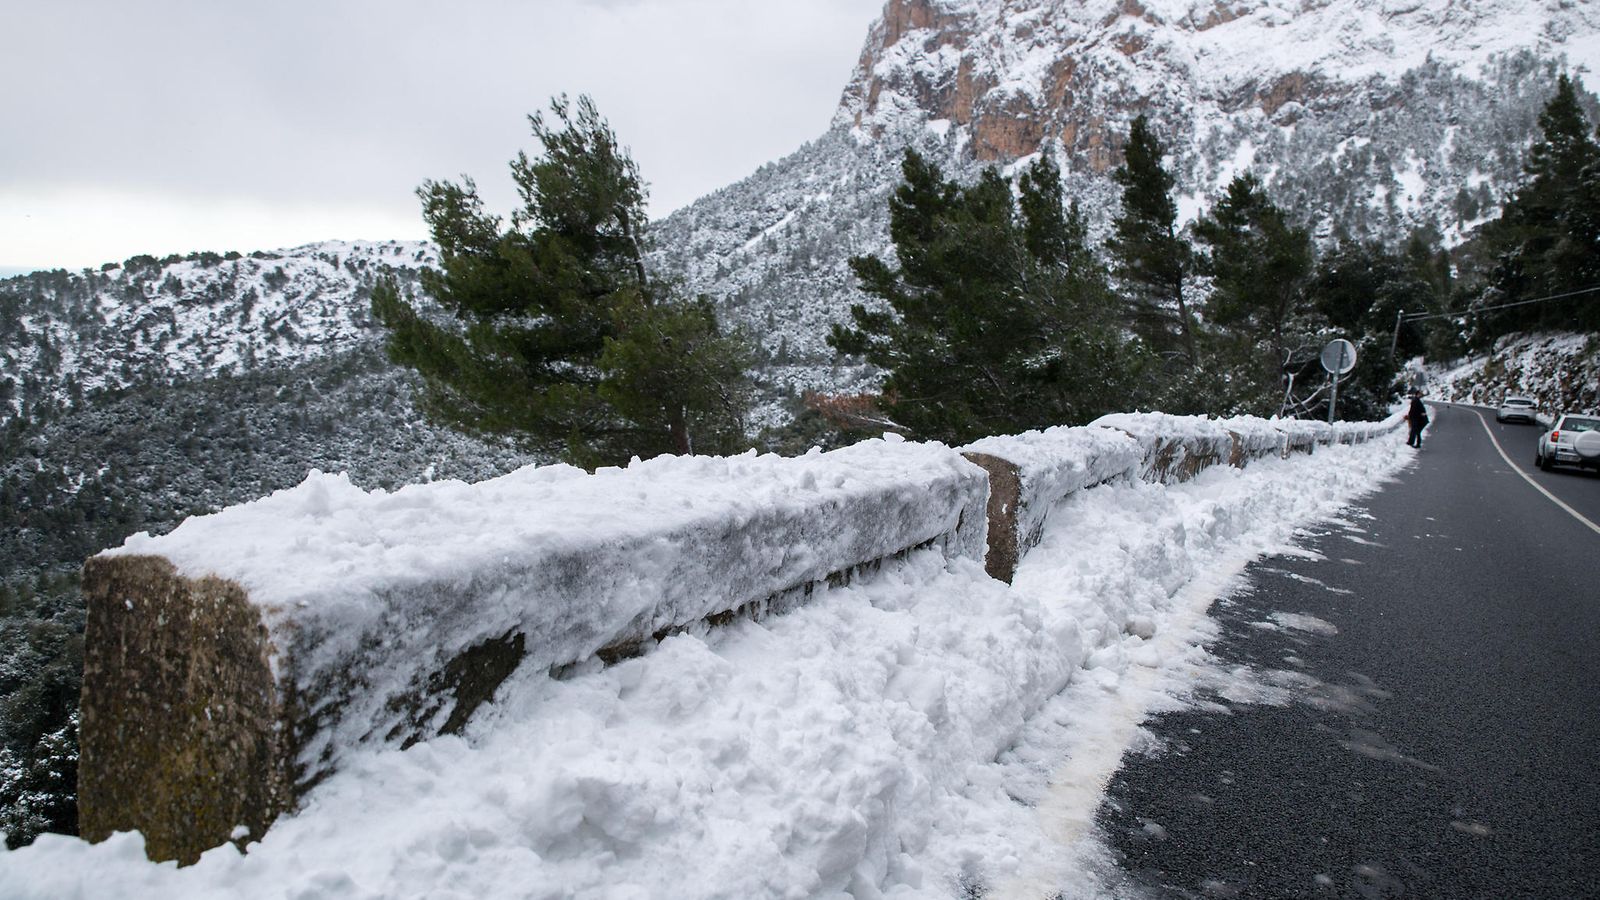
(1439, 726)
(1578, 488)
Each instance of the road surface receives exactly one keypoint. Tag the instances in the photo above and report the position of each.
(1441, 735)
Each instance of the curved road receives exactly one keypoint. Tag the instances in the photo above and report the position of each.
(1437, 725)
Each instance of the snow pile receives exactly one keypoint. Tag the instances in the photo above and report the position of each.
(890, 738)
(367, 595)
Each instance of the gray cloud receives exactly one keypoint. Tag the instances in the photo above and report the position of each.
(348, 106)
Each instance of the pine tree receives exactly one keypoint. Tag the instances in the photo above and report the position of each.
(1259, 265)
(1151, 260)
(559, 335)
(1362, 288)
(1359, 289)
(1579, 247)
(1545, 241)
(997, 319)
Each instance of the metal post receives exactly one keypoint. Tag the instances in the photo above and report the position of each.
(1333, 397)
(1394, 343)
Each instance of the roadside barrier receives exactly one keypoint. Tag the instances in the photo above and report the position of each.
(232, 664)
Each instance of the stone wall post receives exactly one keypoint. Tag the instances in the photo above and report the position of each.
(181, 733)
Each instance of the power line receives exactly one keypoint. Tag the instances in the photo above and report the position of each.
(1422, 317)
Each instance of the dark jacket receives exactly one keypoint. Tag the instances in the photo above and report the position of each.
(1418, 413)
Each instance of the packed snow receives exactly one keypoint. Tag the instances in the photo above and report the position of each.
(381, 590)
(926, 732)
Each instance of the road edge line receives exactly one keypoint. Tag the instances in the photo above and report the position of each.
(1536, 485)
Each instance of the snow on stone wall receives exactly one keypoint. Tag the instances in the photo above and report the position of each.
(1030, 473)
(386, 618)
(393, 614)
(1175, 447)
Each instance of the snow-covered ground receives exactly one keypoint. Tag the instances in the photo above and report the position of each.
(926, 733)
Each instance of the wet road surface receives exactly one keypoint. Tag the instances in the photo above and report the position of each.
(1435, 730)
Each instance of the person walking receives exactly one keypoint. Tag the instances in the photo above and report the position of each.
(1418, 417)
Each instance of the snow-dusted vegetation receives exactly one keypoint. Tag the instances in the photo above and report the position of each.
(1559, 371)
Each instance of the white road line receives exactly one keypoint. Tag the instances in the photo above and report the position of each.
(1536, 485)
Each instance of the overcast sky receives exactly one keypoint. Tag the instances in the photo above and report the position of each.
(142, 126)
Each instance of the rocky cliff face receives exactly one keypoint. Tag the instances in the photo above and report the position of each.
(1016, 74)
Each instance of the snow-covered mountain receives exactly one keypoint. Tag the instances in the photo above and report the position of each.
(1365, 117)
(64, 335)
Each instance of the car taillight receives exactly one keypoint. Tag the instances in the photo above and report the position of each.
(1555, 437)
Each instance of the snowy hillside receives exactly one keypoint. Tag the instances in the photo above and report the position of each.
(64, 335)
(1366, 118)
(1560, 371)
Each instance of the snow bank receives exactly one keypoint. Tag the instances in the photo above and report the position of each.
(389, 616)
(919, 734)
(1029, 474)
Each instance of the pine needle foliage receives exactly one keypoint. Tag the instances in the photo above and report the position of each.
(997, 318)
(1547, 239)
(1150, 258)
(557, 335)
(1259, 265)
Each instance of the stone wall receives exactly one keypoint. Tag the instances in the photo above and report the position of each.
(232, 664)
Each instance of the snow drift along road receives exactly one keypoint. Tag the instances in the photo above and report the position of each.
(868, 744)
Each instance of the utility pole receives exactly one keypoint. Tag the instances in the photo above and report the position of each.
(1394, 343)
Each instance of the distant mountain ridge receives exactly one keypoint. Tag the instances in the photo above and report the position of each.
(67, 334)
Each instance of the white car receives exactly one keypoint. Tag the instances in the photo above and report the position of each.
(1574, 441)
(1521, 409)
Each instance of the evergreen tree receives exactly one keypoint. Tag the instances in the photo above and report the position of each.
(1360, 289)
(1578, 251)
(1259, 265)
(997, 319)
(1545, 241)
(560, 337)
(1151, 260)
